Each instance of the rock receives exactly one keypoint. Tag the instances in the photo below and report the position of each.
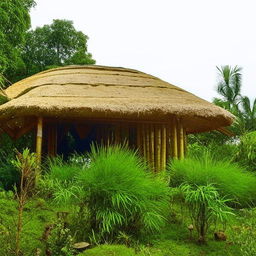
(81, 246)
(220, 236)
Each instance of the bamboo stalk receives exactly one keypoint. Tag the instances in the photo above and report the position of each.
(158, 148)
(144, 141)
(174, 140)
(148, 144)
(185, 141)
(139, 139)
(39, 139)
(181, 141)
(152, 146)
(168, 142)
(163, 149)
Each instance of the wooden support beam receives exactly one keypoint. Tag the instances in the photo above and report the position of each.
(158, 148)
(152, 147)
(148, 144)
(144, 141)
(163, 149)
(174, 140)
(181, 140)
(39, 139)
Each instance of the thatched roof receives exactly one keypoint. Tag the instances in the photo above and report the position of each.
(98, 92)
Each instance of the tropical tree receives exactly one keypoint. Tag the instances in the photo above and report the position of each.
(14, 22)
(54, 45)
(229, 88)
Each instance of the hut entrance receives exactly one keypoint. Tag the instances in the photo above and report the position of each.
(156, 143)
(67, 138)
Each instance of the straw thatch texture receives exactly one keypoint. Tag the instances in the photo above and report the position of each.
(97, 92)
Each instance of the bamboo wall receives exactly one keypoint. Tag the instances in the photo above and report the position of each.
(156, 143)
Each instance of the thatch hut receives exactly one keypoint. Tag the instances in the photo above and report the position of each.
(108, 105)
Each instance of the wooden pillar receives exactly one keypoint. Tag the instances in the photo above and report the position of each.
(168, 142)
(144, 141)
(152, 147)
(158, 147)
(163, 145)
(185, 141)
(174, 140)
(148, 157)
(39, 139)
(181, 140)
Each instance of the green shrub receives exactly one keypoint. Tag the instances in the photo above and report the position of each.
(121, 195)
(246, 151)
(59, 176)
(62, 171)
(205, 206)
(231, 180)
(218, 152)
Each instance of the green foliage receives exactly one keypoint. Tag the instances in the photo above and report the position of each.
(245, 233)
(229, 88)
(224, 151)
(205, 206)
(59, 180)
(14, 22)
(121, 195)
(230, 179)
(55, 45)
(246, 151)
(60, 241)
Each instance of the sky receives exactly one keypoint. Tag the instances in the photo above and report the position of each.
(179, 41)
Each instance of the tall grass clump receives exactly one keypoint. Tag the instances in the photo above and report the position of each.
(59, 176)
(230, 179)
(121, 195)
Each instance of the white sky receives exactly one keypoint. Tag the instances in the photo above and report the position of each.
(179, 41)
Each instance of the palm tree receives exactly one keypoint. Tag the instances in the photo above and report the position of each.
(248, 112)
(229, 85)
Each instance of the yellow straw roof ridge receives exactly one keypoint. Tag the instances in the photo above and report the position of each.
(86, 92)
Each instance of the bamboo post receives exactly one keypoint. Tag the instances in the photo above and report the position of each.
(158, 148)
(139, 139)
(174, 140)
(39, 138)
(168, 142)
(147, 144)
(144, 141)
(185, 141)
(163, 149)
(152, 147)
(181, 141)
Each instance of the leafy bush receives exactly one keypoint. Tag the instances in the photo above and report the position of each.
(205, 207)
(225, 151)
(246, 151)
(60, 241)
(119, 194)
(59, 176)
(122, 196)
(230, 180)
